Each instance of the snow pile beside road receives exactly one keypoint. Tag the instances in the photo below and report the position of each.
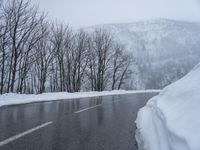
(170, 121)
(11, 99)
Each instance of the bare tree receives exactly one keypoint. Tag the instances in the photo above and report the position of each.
(36, 56)
(61, 39)
(122, 61)
(79, 60)
(99, 59)
(44, 57)
(23, 31)
(4, 41)
(126, 71)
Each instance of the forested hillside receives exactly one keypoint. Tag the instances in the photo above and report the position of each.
(38, 55)
(165, 50)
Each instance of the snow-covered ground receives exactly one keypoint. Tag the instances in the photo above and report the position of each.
(11, 98)
(171, 120)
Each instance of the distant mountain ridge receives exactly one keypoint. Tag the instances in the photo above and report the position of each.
(165, 49)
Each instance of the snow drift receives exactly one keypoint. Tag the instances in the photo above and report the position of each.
(170, 121)
(13, 99)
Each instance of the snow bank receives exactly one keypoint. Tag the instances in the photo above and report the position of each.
(171, 120)
(13, 99)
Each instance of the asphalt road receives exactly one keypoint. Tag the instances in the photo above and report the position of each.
(100, 123)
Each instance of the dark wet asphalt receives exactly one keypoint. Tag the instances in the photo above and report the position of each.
(107, 127)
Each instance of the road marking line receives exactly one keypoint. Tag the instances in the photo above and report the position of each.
(87, 108)
(13, 138)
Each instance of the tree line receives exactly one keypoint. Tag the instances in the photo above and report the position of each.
(39, 56)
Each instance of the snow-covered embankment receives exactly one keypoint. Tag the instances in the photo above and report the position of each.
(11, 98)
(171, 120)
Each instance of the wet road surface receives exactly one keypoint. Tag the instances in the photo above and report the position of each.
(98, 123)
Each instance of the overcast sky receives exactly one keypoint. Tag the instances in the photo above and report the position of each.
(81, 13)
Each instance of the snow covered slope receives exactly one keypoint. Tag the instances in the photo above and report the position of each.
(170, 121)
(165, 49)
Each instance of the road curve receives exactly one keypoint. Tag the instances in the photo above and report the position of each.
(98, 123)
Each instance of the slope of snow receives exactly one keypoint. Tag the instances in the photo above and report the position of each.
(13, 99)
(170, 121)
(165, 50)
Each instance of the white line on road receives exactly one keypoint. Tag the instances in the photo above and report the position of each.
(13, 138)
(87, 108)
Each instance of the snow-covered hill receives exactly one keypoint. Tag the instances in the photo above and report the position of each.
(165, 49)
(170, 121)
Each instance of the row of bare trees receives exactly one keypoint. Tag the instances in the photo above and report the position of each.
(37, 56)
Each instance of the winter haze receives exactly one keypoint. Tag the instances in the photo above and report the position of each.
(81, 13)
(99, 74)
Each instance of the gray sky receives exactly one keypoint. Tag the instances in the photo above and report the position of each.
(81, 13)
